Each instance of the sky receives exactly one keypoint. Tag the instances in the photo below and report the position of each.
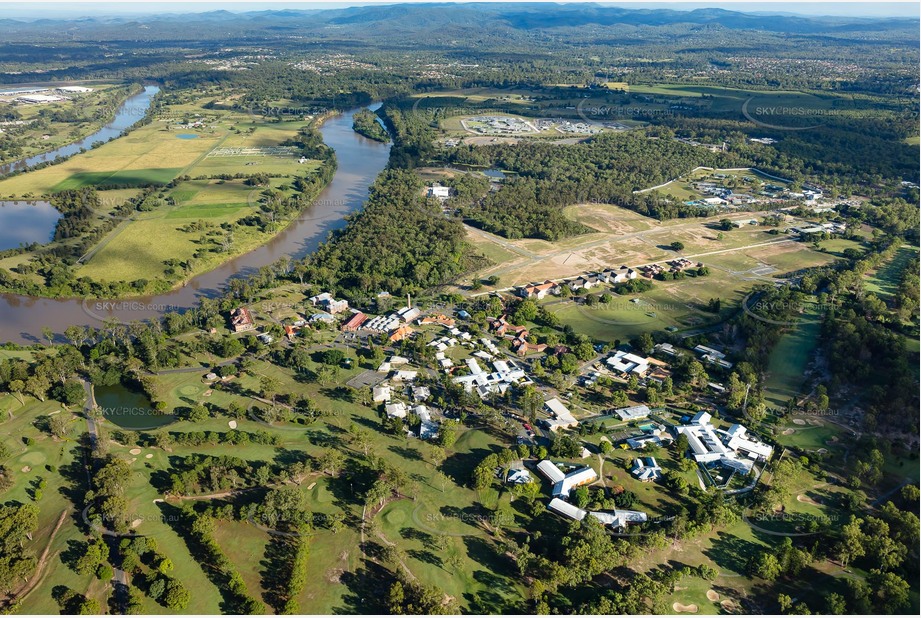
(32, 9)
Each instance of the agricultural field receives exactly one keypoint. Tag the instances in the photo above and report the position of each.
(188, 140)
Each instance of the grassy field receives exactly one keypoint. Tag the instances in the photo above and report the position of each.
(884, 282)
(790, 358)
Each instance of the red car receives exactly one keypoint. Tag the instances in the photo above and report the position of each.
(528, 427)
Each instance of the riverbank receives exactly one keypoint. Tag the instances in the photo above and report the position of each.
(360, 160)
(243, 182)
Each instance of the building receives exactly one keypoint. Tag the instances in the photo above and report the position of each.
(401, 333)
(241, 320)
(39, 98)
(618, 275)
(732, 448)
(563, 484)
(562, 417)
(619, 518)
(632, 413)
(380, 394)
(75, 89)
(496, 382)
(328, 303)
(408, 314)
(518, 477)
(712, 356)
(396, 410)
(354, 322)
(324, 317)
(439, 192)
(646, 469)
(625, 363)
(438, 319)
(537, 291)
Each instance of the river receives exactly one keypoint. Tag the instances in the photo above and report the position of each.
(360, 161)
(128, 113)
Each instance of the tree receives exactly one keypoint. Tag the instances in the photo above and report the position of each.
(677, 246)
(765, 565)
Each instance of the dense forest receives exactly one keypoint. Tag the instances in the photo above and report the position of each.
(606, 169)
(366, 123)
(400, 242)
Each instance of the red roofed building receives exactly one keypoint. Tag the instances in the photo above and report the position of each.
(354, 322)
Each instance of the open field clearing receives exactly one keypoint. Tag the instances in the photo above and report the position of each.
(631, 239)
(183, 139)
(149, 154)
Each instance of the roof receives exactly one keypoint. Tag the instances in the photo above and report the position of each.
(550, 471)
(633, 412)
(568, 510)
(560, 411)
(573, 480)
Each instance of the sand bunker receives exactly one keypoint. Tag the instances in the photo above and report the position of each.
(311, 486)
(799, 421)
(26, 469)
(208, 392)
(681, 607)
(232, 424)
(788, 432)
(148, 456)
(728, 605)
(807, 500)
(135, 451)
(136, 523)
(713, 595)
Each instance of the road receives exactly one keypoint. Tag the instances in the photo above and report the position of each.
(120, 577)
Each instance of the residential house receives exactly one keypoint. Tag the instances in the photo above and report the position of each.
(646, 469)
(241, 320)
(537, 291)
(562, 417)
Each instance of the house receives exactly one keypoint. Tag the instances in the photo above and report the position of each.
(562, 417)
(354, 322)
(327, 318)
(618, 275)
(632, 413)
(536, 291)
(396, 410)
(638, 443)
(405, 375)
(646, 469)
(421, 393)
(658, 375)
(518, 477)
(584, 283)
(380, 394)
(265, 338)
(241, 320)
(523, 348)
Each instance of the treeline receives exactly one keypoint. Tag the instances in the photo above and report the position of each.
(364, 122)
(605, 169)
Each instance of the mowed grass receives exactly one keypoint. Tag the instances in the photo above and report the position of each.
(790, 358)
(884, 282)
(130, 178)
